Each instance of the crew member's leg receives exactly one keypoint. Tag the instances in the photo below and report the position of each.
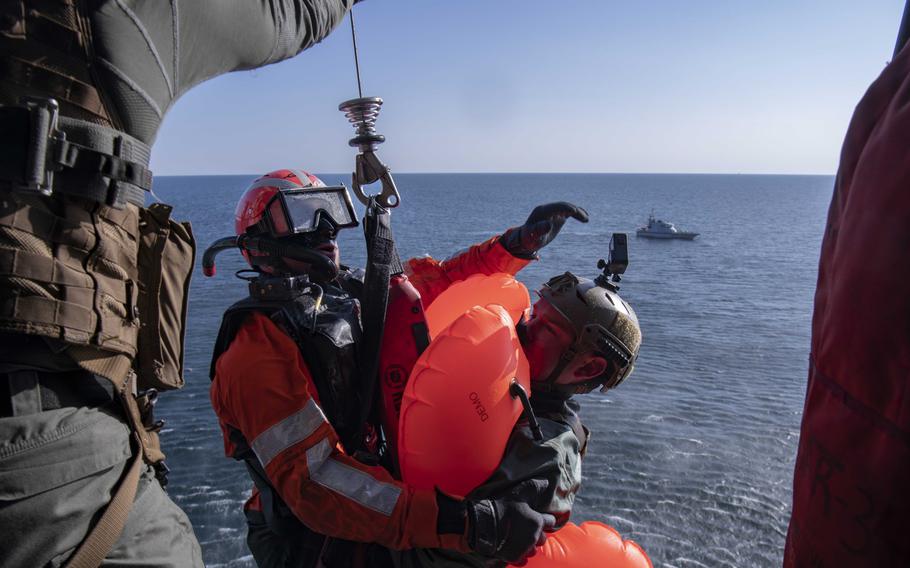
(59, 465)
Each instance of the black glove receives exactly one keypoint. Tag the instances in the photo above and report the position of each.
(509, 528)
(541, 227)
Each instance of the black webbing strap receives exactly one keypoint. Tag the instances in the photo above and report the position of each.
(275, 512)
(382, 264)
(32, 391)
(73, 157)
(267, 496)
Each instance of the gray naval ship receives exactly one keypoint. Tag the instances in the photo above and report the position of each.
(659, 229)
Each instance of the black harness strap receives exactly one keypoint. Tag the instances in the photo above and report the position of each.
(382, 264)
(62, 87)
(276, 513)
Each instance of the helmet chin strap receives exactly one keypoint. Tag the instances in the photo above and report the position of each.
(549, 384)
(567, 357)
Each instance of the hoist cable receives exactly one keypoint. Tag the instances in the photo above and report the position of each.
(356, 59)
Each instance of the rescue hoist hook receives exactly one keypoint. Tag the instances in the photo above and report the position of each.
(362, 113)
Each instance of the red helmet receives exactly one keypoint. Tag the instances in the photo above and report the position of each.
(253, 203)
(283, 215)
(251, 206)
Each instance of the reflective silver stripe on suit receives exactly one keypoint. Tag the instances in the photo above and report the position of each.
(318, 454)
(295, 428)
(356, 485)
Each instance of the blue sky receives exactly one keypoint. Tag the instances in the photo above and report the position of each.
(553, 86)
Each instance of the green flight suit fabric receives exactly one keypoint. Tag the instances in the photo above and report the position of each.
(58, 468)
(133, 59)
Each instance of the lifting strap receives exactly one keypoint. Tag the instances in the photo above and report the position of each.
(382, 264)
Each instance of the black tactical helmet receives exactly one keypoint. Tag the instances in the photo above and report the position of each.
(603, 323)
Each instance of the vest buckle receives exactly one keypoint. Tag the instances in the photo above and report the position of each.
(43, 139)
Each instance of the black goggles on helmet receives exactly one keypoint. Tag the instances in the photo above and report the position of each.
(296, 211)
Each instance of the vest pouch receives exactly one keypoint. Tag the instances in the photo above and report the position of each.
(167, 253)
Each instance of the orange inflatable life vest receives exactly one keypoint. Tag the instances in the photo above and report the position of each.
(591, 544)
(457, 413)
(409, 328)
(477, 290)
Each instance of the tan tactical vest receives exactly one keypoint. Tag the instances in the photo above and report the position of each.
(68, 270)
(80, 259)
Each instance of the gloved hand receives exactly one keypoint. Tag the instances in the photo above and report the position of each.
(510, 528)
(542, 226)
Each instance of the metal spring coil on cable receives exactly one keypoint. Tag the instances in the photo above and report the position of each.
(362, 113)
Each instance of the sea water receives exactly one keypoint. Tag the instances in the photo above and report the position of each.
(692, 457)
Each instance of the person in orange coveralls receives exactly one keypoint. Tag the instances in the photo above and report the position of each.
(285, 389)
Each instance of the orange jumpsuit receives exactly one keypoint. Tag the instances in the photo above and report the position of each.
(263, 388)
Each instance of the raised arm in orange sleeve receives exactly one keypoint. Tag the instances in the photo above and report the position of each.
(431, 277)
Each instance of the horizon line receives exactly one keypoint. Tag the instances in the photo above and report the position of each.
(530, 173)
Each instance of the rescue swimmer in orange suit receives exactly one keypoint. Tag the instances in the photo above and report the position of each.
(283, 371)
